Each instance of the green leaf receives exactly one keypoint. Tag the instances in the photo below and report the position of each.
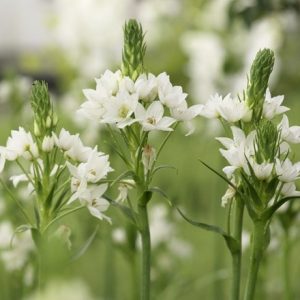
(50, 196)
(252, 191)
(220, 175)
(36, 236)
(23, 228)
(271, 210)
(231, 242)
(159, 191)
(161, 167)
(128, 212)
(127, 174)
(85, 246)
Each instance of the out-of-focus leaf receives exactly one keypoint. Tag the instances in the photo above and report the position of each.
(231, 242)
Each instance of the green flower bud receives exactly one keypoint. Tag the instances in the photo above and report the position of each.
(267, 142)
(36, 129)
(133, 50)
(42, 109)
(260, 72)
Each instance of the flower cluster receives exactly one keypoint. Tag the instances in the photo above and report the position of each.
(122, 101)
(44, 156)
(258, 152)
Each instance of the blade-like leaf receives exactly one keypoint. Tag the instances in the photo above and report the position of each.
(128, 212)
(220, 175)
(232, 243)
(271, 210)
(161, 167)
(85, 246)
(127, 174)
(159, 191)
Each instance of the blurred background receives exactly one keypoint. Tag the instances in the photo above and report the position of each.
(206, 46)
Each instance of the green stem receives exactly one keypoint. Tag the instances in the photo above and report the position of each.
(286, 267)
(237, 257)
(146, 251)
(257, 251)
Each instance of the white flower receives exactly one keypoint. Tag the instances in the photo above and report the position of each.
(20, 143)
(65, 140)
(152, 118)
(233, 110)
(120, 109)
(289, 189)
(109, 81)
(146, 87)
(78, 152)
(286, 171)
(262, 171)
(238, 149)
(185, 113)
(96, 204)
(96, 168)
(123, 188)
(289, 134)
(229, 194)
(169, 95)
(272, 106)
(48, 143)
(210, 109)
(95, 106)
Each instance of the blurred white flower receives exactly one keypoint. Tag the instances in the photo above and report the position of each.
(289, 189)
(75, 289)
(15, 248)
(20, 143)
(262, 171)
(48, 143)
(286, 171)
(146, 87)
(169, 95)
(289, 134)
(272, 106)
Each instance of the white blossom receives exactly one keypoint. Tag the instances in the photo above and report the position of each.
(146, 87)
(286, 171)
(169, 95)
(289, 134)
(48, 143)
(233, 110)
(237, 149)
(152, 118)
(272, 106)
(120, 109)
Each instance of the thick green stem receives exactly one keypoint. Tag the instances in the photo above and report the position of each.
(146, 251)
(237, 257)
(257, 250)
(286, 267)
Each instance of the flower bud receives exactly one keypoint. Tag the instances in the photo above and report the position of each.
(48, 143)
(36, 129)
(148, 157)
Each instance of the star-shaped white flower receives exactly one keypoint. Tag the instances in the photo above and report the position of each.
(272, 106)
(289, 134)
(152, 118)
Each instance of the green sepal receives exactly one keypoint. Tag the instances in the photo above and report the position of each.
(231, 242)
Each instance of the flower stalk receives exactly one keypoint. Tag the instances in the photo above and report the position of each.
(237, 256)
(258, 246)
